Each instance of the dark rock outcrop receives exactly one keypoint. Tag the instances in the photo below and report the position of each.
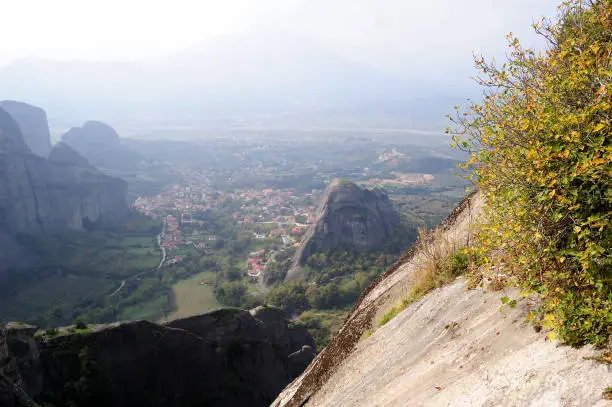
(227, 357)
(41, 196)
(32, 121)
(348, 216)
(19, 365)
(100, 144)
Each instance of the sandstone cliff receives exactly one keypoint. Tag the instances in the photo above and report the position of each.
(348, 216)
(63, 154)
(32, 121)
(40, 196)
(101, 145)
(453, 347)
(226, 357)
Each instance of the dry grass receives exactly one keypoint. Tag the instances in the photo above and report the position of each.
(440, 262)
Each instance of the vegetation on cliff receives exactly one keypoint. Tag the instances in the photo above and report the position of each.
(540, 152)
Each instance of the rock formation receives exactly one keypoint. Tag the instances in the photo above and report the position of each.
(227, 357)
(452, 347)
(41, 196)
(63, 154)
(348, 216)
(92, 136)
(32, 121)
(101, 145)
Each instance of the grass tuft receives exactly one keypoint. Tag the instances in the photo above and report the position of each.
(440, 264)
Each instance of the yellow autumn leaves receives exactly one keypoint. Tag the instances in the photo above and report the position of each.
(540, 152)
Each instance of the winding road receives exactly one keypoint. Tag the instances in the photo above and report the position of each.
(118, 289)
(160, 236)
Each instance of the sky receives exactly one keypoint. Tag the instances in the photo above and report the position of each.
(392, 35)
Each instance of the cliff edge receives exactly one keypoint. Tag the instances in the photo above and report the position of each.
(453, 347)
(227, 357)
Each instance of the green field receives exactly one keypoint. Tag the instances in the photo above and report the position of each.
(76, 274)
(51, 293)
(191, 298)
(151, 310)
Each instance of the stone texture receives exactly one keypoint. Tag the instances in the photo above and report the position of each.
(41, 196)
(348, 216)
(33, 123)
(19, 365)
(453, 347)
(226, 357)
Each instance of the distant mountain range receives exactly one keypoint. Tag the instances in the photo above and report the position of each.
(233, 76)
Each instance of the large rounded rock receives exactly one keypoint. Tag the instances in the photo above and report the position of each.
(348, 216)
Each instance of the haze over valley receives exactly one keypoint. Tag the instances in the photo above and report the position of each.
(228, 203)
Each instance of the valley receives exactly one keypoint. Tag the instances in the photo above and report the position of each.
(244, 203)
(216, 222)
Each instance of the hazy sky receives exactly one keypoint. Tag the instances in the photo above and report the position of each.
(392, 34)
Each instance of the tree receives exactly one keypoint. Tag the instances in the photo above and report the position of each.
(540, 153)
(290, 297)
(231, 293)
(80, 323)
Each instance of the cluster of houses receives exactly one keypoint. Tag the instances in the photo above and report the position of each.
(273, 205)
(390, 155)
(174, 260)
(176, 198)
(173, 238)
(185, 202)
(255, 263)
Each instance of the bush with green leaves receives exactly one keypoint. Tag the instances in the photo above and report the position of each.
(540, 154)
(80, 323)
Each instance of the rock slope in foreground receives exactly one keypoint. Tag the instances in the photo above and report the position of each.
(451, 348)
(226, 357)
